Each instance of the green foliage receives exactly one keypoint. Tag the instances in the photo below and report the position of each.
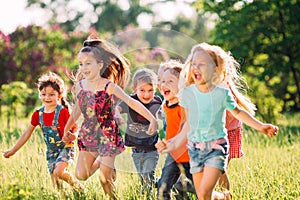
(265, 35)
(269, 108)
(15, 92)
(262, 35)
(97, 14)
(14, 96)
(33, 50)
(14, 190)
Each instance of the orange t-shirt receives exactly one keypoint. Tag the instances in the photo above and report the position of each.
(173, 120)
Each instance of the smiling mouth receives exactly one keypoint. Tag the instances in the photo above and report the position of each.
(197, 76)
(167, 92)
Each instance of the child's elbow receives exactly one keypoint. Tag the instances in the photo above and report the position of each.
(235, 112)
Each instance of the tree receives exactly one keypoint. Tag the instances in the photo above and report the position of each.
(264, 34)
(106, 15)
(28, 52)
(12, 95)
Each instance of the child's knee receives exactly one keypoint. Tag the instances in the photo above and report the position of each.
(81, 176)
(58, 172)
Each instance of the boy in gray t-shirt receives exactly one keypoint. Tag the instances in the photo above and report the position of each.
(144, 153)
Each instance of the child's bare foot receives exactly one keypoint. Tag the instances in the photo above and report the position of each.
(227, 195)
(78, 187)
(78, 190)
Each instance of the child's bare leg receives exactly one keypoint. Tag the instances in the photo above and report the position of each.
(96, 166)
(224, 182)
(197, 178)
(61, 171)
(57, 183)
(106, 173)
(84, 167)
(205, 182)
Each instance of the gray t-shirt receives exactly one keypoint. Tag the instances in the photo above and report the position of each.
(137, 125)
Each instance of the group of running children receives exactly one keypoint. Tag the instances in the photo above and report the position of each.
(200, 103)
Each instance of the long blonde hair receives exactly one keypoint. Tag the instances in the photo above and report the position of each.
(227, 74)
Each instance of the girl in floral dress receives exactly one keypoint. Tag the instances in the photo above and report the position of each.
(102, 73)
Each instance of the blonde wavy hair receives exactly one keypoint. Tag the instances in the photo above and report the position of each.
(227, 74)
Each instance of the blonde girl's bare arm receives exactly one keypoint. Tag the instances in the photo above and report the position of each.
(248, 119)
(21, 141)
(134, 104)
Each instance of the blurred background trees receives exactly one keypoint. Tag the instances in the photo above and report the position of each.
(261, 34)
(265, 36)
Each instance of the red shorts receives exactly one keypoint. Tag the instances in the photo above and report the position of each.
(235, 143)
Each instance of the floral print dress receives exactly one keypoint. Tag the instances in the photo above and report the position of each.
(99, 131)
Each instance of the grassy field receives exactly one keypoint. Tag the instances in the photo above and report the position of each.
(269, 170)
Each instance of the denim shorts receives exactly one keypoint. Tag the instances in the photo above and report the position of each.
(208, 157)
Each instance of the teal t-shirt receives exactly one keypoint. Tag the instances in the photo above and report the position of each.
(206, 112)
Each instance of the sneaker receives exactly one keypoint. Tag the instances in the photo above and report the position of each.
(187, 187)
(155, 182)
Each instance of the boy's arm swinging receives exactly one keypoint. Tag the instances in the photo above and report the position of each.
(135, 105)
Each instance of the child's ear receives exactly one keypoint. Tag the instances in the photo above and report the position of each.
(100, 64)
(133, 89)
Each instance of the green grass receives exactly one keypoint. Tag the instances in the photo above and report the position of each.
(269, 170)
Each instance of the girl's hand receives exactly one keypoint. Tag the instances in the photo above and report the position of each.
(152, 127)
(8, 153)
(118, 117)
(161, 145)
(165, 146)
(269, 129)
(68, 137)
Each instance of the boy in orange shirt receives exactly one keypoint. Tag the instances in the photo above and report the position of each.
(177, 161)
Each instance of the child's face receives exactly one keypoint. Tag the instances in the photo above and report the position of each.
(169, 86)
(89, 66)
(144, 91)
(202, 68)
(49, 96)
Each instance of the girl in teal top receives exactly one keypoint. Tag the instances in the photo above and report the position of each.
(208, 111)
(205, 104)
